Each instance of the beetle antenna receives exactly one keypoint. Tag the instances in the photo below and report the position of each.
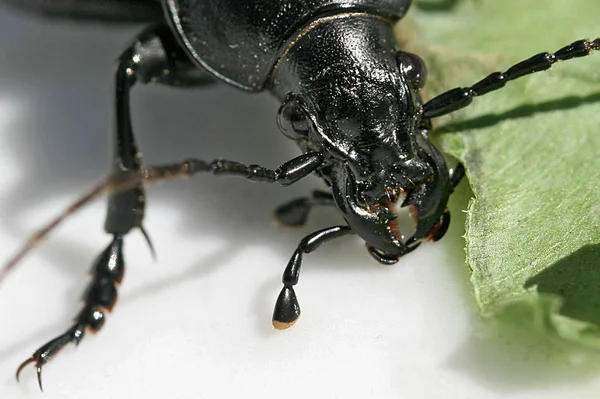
(114, 183)
(39, 235)
(461, 97)
(126, 180)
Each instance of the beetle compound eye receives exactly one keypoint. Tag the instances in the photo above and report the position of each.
(292, 120)
(413, 67)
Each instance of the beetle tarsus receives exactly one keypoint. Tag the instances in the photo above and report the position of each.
(99, 298)
(47, 351)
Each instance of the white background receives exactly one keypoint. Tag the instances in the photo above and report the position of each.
(196, 323)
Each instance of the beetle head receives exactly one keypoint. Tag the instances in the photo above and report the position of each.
(394, 214)
(379, 160)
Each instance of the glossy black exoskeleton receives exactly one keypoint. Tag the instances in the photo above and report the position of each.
(349, 99)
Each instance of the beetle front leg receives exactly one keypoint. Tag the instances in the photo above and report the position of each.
(437, 5)
(295, 212)
(154, 57)
(287, 309)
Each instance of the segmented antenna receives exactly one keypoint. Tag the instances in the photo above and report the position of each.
(114, 183)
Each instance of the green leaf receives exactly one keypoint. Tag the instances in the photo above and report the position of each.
(532, 153)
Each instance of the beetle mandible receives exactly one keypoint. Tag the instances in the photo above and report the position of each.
(349, 99)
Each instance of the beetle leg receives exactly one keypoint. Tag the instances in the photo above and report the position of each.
(103, 10)
(295, 212)
(456, 175)
(287, 309)
(438, 5)
(461, 97)
(154, 57)
(99, 298)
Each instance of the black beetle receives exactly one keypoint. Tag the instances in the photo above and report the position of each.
(349, 99)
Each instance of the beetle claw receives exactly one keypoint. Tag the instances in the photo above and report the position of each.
(22, 366)
(38, 368)
(43, 355)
